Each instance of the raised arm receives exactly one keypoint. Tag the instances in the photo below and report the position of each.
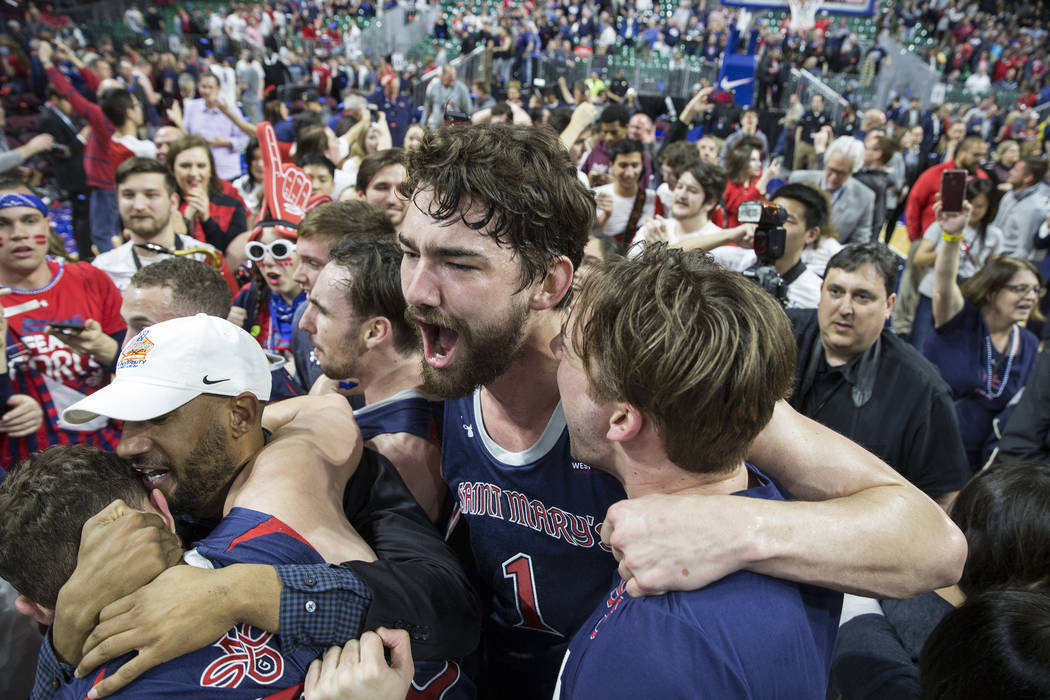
(380, 126)
(947, 297)
(861, 527)
(100, 125)
(582, 117)
(926, 253)
(351, 134)
(238, 137)
(742, 235)
(566, 93)
(698, 104)
(319, 436)
(235, 117)
(64, 53)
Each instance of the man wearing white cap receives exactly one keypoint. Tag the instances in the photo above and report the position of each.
(190, 393)
(204, 373)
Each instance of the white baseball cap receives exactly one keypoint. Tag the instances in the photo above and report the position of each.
(173, 362)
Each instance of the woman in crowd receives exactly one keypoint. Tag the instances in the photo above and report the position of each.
(1005, 514)
(250, 185)
(980, 241)
(979, 341)
(1006, 154)
(266, 306)
(365, 138)
(747, 180)
(209, 213)
(414, 137)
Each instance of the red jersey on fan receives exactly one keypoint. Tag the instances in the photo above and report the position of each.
(48, 370)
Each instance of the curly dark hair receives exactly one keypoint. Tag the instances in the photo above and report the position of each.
(523, 179)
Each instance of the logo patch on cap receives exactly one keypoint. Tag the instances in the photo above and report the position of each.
(135, 353)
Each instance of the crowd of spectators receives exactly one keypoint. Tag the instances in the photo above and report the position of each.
(257, 163)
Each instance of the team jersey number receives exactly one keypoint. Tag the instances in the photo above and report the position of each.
(519, 570)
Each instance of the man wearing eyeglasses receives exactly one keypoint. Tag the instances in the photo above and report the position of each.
(147, 197)
(858, 378)
(852, 202)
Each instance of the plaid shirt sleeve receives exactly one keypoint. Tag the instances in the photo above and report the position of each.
(321, 605)
(50, 672)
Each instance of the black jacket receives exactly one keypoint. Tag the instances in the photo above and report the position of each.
(68, 170)
(1026, 435)
(417, 583)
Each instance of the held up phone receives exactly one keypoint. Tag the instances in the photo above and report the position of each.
(68, 328)
(953, 190)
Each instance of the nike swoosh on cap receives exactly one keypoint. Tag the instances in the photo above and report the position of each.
(214, 381)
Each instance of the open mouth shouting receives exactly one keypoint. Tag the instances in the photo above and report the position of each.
(439, 343)
(441, 335)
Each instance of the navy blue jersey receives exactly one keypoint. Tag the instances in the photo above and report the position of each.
(409, 411)
(246, 662)
(534, 520)
(744, 636)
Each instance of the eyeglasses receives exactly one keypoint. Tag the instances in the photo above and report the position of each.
(1023, 289)
(280, 250)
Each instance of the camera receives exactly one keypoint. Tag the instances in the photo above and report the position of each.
(770, 239)
(453, 118)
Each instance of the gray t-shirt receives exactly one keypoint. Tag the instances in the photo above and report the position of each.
(972, 257)
(250, 74)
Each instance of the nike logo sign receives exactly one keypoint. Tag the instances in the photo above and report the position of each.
(214, 381)
(728, 85)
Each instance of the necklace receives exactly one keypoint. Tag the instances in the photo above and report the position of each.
(987, 391)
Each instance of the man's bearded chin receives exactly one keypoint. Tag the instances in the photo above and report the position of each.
(483, 353)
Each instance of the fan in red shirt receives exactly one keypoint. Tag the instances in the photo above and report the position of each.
(747, 179)
(210, 214)
(918, 213)
(63, 333)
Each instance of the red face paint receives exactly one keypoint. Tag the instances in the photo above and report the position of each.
(286, 262)
(40, 238)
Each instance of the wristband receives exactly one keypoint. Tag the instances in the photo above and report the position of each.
(952, 239)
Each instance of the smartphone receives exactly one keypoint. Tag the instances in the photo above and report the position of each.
(953, 190)
(67, 328)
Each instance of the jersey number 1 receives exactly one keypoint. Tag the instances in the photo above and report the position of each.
(519, 570)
